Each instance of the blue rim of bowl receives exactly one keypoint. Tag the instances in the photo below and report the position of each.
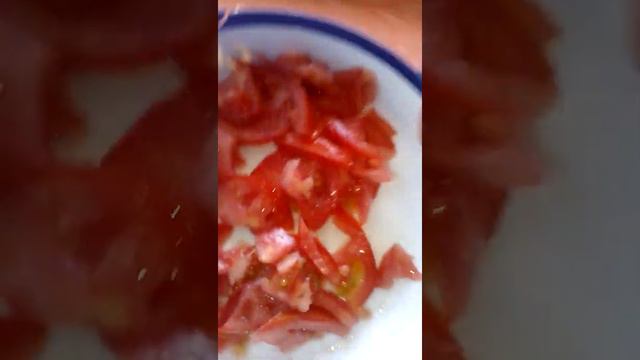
(245, 18)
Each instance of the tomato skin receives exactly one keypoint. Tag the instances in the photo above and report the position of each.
(319, 148)
(307, 69)
(325, 165)
(241, 201)
(247, 310)
(348, 95)
(300, 115)
(318, 254)
(227, 151)
(336, 306)
(352, 138)
(238, 98)
(358, 256)
(396, 263)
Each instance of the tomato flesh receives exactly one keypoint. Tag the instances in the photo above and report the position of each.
(332, 155)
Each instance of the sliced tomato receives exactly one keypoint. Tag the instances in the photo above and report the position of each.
(264, 128)
(271, 167)
(396, 264)
(374, 171)
(378, 131)
(273, 244)
(358, 197)
(294, 283)
(348, 95)
(335, 306)
(239, 100)
(309, 70)
(320, 148)
(227, 151)
(315, 189)
(254, 202)
(298, 295)
(352, 137)
(237, 262)
(357, 255)
(295, 182)
(318, 254)
(289, 329)
(247, 310)
(223, 233)
(300, 116)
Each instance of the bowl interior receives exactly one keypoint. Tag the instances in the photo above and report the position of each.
(394, 329)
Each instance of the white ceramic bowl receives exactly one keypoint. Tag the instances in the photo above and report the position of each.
(394, 329)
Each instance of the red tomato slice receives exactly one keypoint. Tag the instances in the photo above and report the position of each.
(350, 93)
(378, 132)
(318, 254)
(297, 295)
(271, 167)
(223, 233)
(297, 184)
(378, 173)
(308, 70)
(274, 244)
(316, 190)
(288, 329)
(300, 114)
(237, 262)
(358, 256)
(239, 100)
(294, 283)
(251, 201)
(358, 197)
(395, 264)
(247, 310)
(335, 306)
(319, 148)
(264, 128)
(353, 138)
(227, 151)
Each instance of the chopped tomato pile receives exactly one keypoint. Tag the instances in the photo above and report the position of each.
(332, 156)
(487, 79)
